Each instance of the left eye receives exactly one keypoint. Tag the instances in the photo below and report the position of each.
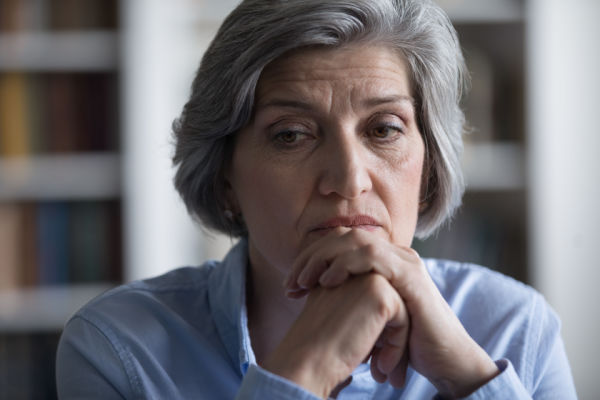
(385, 131)
(289, 137)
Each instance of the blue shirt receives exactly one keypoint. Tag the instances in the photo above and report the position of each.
(184, 335)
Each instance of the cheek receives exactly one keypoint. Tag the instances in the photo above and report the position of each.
(271, 205)
(268, 196)
(402, 197)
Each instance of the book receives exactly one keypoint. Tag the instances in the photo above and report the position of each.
(53, 243)
(29, 245)
(27, 365)
(14, 129)
(12, 15)
(83, 14)
(63, 123)
(36, 112)
(10, 255)
(98, 96)
(89, 238)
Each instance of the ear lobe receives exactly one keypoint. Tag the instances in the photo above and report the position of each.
(423, 205)
(231, 203)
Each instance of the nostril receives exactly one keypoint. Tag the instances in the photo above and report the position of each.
(345, 175)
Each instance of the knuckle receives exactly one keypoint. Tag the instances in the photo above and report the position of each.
(381, 293)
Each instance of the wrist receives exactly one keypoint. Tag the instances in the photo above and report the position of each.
(305, 371)
(468, 381)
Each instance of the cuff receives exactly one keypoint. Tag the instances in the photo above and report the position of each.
(506, 385)
(260, 384)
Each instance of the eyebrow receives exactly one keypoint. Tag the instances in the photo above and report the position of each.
(367, 103)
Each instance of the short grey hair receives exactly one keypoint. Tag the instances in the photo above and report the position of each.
(259, 31)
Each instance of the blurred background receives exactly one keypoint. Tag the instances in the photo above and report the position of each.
(88, 92)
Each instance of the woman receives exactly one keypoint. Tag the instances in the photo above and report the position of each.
(325, 134)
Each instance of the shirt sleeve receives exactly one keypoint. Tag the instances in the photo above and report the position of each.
(88, 366)
(260, 384)
(506, 385)
(545, 373)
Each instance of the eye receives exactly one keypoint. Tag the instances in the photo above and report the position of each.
(288, 137)
(386, 131)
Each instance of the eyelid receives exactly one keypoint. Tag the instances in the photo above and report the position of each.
(386, 119)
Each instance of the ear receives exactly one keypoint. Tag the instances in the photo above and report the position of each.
(231, 201)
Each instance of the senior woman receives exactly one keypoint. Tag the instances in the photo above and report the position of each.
(326, 135)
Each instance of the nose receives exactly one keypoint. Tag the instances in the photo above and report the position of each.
(345, 168)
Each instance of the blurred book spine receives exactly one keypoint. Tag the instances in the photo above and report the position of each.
(13, 115)
(10, 259)
(18, 15)
(27, 368)
(52, 243)
(56, 113)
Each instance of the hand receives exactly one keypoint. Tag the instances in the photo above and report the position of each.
(439, 347)
(338, 329)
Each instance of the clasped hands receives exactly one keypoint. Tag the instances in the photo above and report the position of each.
(370, 298)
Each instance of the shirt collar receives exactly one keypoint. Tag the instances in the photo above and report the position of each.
(227, 296)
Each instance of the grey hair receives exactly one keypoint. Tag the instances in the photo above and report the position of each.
(259, 31)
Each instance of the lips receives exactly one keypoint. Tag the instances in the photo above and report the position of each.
(353, 222)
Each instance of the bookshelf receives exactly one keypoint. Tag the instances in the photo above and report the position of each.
(134, 170)
(491, 226)
(60, 177)
(88, 51)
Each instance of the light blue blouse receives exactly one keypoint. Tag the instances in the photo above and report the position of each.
(184, 335)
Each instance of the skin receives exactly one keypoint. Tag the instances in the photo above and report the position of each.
(327, 178)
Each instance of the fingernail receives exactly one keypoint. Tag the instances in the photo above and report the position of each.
(326, 278)
(303, 279)
(295, 293)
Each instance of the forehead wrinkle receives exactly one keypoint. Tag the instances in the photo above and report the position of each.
(310, 80)
(271, 94)
(330, 74)
(299, 96)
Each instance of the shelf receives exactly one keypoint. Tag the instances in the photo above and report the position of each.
(43, 308)
(484, 11)
(56, 177)
(494, 166)
(59, 51)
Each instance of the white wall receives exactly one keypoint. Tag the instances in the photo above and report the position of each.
(564, 147)
(162, 45)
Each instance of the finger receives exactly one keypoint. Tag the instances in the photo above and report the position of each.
(397, 377)
(315, 259)
(312, 252)
(375, 372)
(366, 259)
(311, 273)
(389, 357)
(394, 348)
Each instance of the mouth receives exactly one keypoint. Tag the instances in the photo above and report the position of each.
(350, 222)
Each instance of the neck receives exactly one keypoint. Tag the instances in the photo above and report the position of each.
(270, 311)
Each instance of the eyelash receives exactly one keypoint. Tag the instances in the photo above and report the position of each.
(283, 135)
(289, 138)
(281, 138)
(374, 132)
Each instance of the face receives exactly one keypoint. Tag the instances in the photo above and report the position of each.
(333, 145)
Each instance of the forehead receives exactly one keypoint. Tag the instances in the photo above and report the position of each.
(378, 66)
